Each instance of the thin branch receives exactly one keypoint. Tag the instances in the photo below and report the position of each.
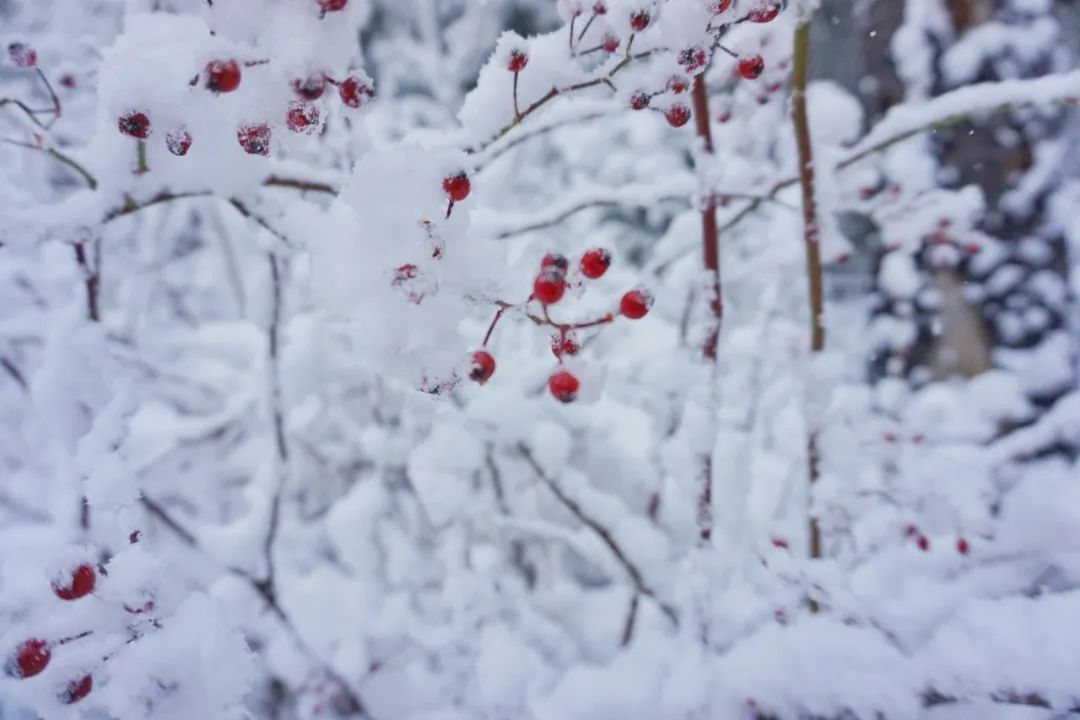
(605, 535)
(91, 280)
(60, 157)
(299, 184)
(15, 374)
(555, 92)
(800, 76)
(534, 132)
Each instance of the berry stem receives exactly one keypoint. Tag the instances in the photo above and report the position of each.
(571, 38)
(450, 207)
(588, 25)
(56, 108)
(726, 49)
(517, 112)
(494, 322)
(140, 153)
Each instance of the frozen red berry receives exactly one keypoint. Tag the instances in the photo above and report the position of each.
(678, 84)
(135, 124)
(910, 530)
(549, 286)
(764, 12)
(222, 76)
(68, 80)
(639, 20)
(751, 67)
(635, 304)
(600, 7)
(255, 139)
(332, 5)
(22, 55)
(355, 91)
(555, 260)
(30, 658)
(77, 690)
(457, 186)
(302, 117)
(677, 115)
(78, 583)
(639, 101)
(483, 366)
(564, 385)
(923, 542)
(780, 542)
(693, 59)
(518, 60)
(145, 607)
(563, 346)
(719, 6)
(962, 546)
(595, 262)
(178, 140)
(610, 43)
(310, 88)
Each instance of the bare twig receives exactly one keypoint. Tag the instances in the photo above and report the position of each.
(15, 374)
(603, 533)
(60, 157)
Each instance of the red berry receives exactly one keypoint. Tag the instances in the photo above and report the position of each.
(30, 659)
(457, 186)
(564, 386)
(68, 80)
(79, 583)
(923, 543)
(518, 60)
(77, 690)
(355, 91)
(302, 117)
(564, 346)
(692, 59)
(22, 55)
(971, 248)
(775, 86)
(483, 366)
(332, 5)
(555, 260)
(780, 543)
(678, 84)
(139, 609)
(639, 101)
(610, 43)
(719, 6)
(677, 115)
(595, 262)
(635, 304)
(599, 7)
(135, 124)
(255, 139)
(640, 20)
(178, 140)
(962, 546)
(910, 530)
(764, 12)
(222, 76)
(750, 67)
(310, 88)
(549, 285)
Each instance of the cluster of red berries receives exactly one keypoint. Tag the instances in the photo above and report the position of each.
(224, 76)
(923, 542)
(694, 59)
(22, 55)
(549, 287)
(32, 656)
